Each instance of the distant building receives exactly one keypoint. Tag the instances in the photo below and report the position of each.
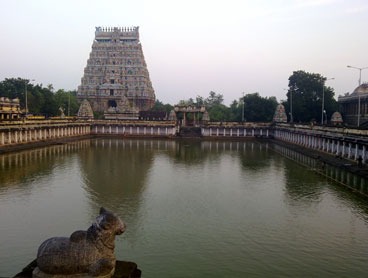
(9, 108)
(116, 73)
(354, 106)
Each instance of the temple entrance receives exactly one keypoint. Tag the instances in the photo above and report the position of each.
(111, 103)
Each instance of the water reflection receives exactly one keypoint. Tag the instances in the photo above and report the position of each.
(186, 203)
(115, 171)
(26, 166)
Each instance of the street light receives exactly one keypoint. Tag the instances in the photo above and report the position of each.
(26, 95)
(291, 107)
(360, 73)
(359, 82)
(243, 109)
(323, 97)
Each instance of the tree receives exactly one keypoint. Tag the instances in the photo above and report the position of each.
(306, 93)
(214, 99)
(236, 110)
(259, 109)
(219, 112)
(40, 100)
(159, 106)
(68, 101)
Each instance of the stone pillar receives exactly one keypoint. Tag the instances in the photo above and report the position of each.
(363, 154)
(349, 151)
(356, 151)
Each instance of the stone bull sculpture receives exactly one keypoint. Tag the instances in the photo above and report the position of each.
(85, 253)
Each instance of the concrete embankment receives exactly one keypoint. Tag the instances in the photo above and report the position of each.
(336, 161)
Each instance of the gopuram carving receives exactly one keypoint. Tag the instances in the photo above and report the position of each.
(84, 254)
(116, 69)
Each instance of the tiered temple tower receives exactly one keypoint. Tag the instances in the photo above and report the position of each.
(116, 72)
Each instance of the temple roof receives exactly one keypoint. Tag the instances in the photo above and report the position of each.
(360, 90)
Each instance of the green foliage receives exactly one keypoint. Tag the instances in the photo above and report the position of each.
(41, 100)
(219, 112)
(259, 109)
(213, 99)
(236, 109)
(159, 106)
(68, 101)
(306, 92)
(256, 108)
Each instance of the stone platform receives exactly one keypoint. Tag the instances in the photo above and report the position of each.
(123, 269)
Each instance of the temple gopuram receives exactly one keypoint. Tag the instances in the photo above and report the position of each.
(116, 81)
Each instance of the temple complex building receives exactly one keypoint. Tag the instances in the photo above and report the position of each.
(116, 73)
(9, 109)
(354, 106)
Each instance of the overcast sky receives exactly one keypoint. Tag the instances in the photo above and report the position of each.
(192, 47)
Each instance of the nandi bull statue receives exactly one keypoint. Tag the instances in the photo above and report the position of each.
(84, 254)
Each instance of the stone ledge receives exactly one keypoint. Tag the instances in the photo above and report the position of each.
(123, 269)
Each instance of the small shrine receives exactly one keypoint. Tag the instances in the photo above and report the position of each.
(280, 114)
(189, 115)
(9, 108)
(336, 118)
(85, 111)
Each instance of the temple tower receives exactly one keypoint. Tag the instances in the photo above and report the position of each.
(116, 70)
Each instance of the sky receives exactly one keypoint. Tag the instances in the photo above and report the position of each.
(192, 47)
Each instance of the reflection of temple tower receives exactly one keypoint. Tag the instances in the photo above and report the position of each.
(115, 171)
(116, 68)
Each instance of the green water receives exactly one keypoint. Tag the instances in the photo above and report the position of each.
(192, 209)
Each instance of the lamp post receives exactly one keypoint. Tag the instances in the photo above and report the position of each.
(26, 95)
(243, 108)
(323, 98)
(68, 104)
(360, 73)
(291, 107)
(359, 82)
